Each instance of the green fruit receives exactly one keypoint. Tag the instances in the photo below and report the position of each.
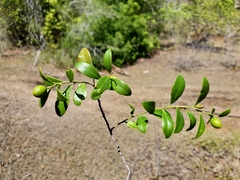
(39, 91)
(216, 123)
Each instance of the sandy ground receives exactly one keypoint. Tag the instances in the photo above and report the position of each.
(36, 144)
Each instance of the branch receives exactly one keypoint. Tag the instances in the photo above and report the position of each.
(121, 122)
(104, 116)
(113, 139)
(123, 159)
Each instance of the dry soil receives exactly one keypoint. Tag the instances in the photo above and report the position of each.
(36, 144)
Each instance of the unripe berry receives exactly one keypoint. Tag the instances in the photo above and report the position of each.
(216, 123)
(39, 91)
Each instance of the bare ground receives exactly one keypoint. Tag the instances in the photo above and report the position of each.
(36, 144)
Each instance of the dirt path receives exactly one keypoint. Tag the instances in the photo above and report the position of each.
(36, 144)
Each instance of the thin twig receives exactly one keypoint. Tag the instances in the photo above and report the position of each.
(123, 159)
(121, 122)
(113, 139)
(104, 116)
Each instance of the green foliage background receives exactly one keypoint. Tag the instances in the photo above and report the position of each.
(131, 28)
(127, 27)
(214, 17)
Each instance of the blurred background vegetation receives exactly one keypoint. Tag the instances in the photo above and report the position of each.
(131, 28)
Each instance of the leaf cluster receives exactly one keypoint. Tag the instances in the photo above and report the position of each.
(85, 66)
(168, 125)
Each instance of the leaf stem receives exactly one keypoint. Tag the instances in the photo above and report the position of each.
(75, 82)
(121, 122)
(67, 82)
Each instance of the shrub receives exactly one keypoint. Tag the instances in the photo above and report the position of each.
(208, 17)
(54, 27)
(23, 20)
(125, 27)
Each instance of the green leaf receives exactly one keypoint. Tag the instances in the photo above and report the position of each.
(142, 124)
(45, 79)
(82, 91)
(61, 106)
(103, 83)
(210, 117)
(77, 101)
(177, 89)
(149, 106)
(84, 56)
(132, 109)
(204, 91)
(70, 75)
(167, 124)
(132, 124)
(201, 127)
(107, 60)
(95, 94)
(80, 94)
(179, 121)
(67, 92)
(120, 87)
(101, 86)
(42, 75)
(88, 70)
(224, 113)
(43, 99)
(53, 79)
(60, 96)
(213, 110)
(193, 121)
(48, 83)
(158, 113)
